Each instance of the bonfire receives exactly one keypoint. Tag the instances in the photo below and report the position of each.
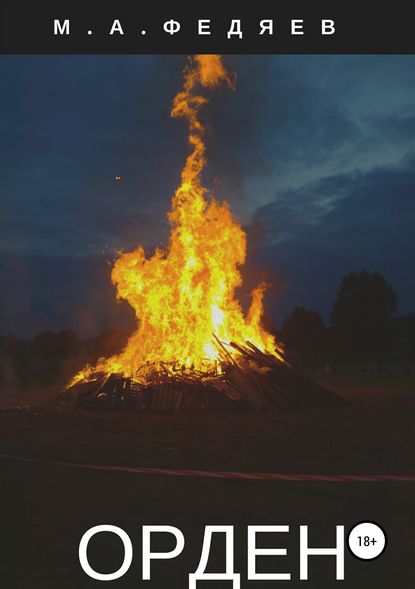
(193, 337)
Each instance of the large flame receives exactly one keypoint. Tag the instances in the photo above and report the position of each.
(184, 294)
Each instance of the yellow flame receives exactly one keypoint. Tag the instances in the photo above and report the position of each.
(184, 294)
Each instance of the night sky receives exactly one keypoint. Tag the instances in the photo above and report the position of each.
(316, 155)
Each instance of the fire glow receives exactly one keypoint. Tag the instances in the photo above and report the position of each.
(184, 296)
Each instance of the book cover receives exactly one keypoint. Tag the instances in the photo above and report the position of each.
(207, 321)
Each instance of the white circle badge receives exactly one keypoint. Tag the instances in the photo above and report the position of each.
(367, 540)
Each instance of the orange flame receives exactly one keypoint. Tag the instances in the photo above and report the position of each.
(184, 294)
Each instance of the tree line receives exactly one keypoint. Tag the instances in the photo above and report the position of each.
(53, 357)
(362, 326)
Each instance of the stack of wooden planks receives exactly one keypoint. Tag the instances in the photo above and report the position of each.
(245, 374)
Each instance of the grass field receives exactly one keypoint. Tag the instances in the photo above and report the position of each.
(45, 509)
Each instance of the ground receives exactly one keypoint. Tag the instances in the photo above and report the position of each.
(45, 509)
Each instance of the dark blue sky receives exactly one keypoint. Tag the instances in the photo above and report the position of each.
(316, 155)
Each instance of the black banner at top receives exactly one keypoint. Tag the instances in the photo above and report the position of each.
(134, 27)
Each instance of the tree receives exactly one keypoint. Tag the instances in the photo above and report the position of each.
(304, 332)
(44, 344)
(362, 316)
(67, 344)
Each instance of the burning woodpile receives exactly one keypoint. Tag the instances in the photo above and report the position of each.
(184, 293)
(255, 379)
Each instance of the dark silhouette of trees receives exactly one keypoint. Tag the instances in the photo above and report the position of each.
(68, 343)
(50, 344)
(304, 332)
(362, 316)
(404, 328)
(410, 337)
(52, 358)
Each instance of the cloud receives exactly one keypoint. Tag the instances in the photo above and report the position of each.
(69, 126)
(44, 293)
(321, 231)
(315, 154)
